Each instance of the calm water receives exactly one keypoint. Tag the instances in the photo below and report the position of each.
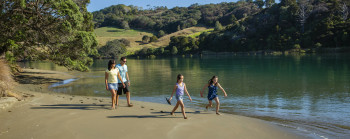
(308, 94)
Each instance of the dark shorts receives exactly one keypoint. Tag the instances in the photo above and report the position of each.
(120, 88)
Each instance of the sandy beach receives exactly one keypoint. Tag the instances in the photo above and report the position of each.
(44, 114)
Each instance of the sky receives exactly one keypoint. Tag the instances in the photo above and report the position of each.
(96, 5)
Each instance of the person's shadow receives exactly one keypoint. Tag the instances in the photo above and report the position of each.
(160, 114)
(73, 106)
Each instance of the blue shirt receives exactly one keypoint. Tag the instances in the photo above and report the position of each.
(122, 70)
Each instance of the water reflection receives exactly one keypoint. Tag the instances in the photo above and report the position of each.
(308, 91)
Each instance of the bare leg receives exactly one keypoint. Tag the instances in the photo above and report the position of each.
(183, 109)
(128, 99)
(209, 105)
(177, 105)
(217, 105)
(117, 99)
(113, 98)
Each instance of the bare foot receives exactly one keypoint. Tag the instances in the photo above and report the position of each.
(185, 117)
(130, 105)
(218, 113)
(172, 114)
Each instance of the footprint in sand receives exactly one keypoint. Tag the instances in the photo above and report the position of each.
(142, 107)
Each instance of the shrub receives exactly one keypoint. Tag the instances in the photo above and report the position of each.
(112, 49)
(318, 45)
(145, 39)
(296, 46)
(174, 50)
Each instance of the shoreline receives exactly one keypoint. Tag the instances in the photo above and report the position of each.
(65, 116)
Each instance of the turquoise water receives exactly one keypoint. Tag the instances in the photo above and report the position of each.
(306, 93)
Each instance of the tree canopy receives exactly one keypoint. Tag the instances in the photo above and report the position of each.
(57, 30)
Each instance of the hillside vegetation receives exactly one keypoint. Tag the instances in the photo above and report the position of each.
(243, 26)
(105, 34)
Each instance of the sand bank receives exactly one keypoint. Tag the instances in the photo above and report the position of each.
(52, 115)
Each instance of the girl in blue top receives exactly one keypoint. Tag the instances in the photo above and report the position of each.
(212, 94)
(180, 88)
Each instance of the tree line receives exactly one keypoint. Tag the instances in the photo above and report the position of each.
(163, 20)
(289, 25)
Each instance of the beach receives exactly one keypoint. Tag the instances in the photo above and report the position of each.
(44, 114)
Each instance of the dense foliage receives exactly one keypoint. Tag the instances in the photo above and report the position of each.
(171, 20)
(241, 26)
(113, 49)
(57, 30)
(288, 25)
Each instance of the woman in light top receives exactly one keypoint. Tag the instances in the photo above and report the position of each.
(180, 88)
(111, 80)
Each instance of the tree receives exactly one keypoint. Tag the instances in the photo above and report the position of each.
(344, 11)
(303, 13)
(218, 26)
(60, 31)
(178, 28)
(161, 33)
(125, 42)
(153, 39)
(125, 25)
(174, 50)
(112, 49)
(259, 3)
(145, 39)
(269, 3)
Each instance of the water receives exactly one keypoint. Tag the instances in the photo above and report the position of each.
(306, 93)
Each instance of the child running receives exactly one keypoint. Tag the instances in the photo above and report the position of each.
(212, 94)
(180, 88)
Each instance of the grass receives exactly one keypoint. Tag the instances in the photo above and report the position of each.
(194, 35)
(106, 34)
(116, 32)
(165, 40)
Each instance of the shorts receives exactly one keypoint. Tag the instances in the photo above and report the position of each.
(120, 88)
(179, 97)
(113, 86)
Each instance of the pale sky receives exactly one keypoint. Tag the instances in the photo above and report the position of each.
(96, 5)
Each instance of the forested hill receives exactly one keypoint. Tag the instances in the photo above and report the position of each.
(248, 25)
(172, 20)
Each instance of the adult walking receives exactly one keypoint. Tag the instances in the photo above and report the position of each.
(111, 80)
(123, 69)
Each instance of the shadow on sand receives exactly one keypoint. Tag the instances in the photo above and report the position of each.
(73, 106)
(160, 114)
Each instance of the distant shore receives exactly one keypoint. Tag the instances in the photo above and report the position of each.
(53, 115)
